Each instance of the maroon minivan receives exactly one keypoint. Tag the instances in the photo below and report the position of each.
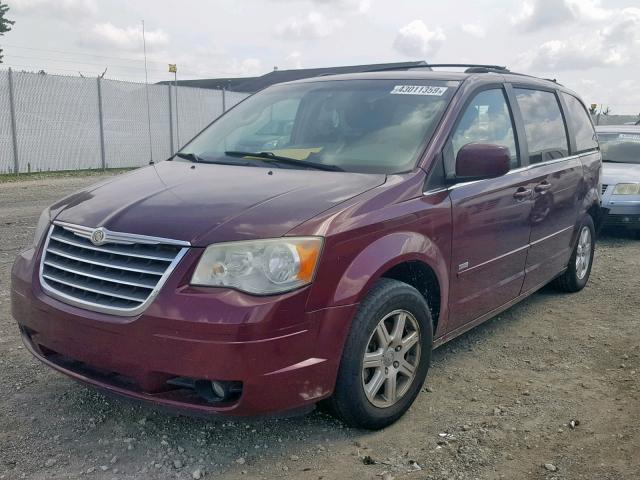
(316, 242)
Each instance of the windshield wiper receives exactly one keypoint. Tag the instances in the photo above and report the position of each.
(198, 159)
(270, 157)
(189, 156)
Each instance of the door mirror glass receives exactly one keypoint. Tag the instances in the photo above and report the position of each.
(481, 160)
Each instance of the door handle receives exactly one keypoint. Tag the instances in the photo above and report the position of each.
(522, 193)
(542, 187)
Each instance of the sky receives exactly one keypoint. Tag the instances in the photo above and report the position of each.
(590, 46)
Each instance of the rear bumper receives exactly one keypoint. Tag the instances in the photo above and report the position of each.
(285, 357)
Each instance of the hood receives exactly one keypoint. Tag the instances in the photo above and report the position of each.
(613, 173)
(207, 203)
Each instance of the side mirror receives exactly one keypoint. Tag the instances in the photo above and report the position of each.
(479, 160)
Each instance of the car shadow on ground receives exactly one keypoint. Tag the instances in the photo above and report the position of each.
(319, 418)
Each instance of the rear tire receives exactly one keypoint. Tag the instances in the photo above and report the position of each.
(577, 273)
(385, 358)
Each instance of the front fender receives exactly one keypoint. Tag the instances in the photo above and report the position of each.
(382, 255)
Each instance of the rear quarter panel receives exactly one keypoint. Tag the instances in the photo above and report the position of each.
(590, 185)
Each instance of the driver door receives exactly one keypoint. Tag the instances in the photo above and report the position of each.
(490, 217)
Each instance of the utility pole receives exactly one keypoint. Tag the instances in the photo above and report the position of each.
(146, 83)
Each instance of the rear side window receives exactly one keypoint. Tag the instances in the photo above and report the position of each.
(543, 125)
(580, 124)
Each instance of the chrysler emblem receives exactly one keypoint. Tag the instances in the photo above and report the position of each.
(97, 236)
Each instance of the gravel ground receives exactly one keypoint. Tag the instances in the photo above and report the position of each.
(499, 400)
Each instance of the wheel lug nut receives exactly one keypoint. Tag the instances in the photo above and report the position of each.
(396, 364)
(398, 348)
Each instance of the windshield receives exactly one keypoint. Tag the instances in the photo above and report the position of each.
(368, 126)
(620, 147)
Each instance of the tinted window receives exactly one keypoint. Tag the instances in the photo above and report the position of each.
(620, 147)
(580, 124)
(371, 126)
(486, 120)
(543, 125)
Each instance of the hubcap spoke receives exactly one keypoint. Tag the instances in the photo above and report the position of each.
(407, 369)
(390, 388)
(373, 387)
(398, 328)
(373, 359)
(409, 341)
(383, 335)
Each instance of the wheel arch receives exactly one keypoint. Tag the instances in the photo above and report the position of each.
(409, 257)
(424, 279)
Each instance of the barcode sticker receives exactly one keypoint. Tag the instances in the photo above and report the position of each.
(418, 90)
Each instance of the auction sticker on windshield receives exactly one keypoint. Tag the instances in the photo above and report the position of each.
(418, 90)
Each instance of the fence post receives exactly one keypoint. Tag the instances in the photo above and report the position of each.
(224, 101)
(103, 160)
(170, 122)
(14, 133)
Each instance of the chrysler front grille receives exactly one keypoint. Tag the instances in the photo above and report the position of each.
(108, 272)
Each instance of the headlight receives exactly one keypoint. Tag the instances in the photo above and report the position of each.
(627, 189)
(261, 267)
(41, 227)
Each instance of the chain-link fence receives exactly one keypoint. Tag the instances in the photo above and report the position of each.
(50, 122)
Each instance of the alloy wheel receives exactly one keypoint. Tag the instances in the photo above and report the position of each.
(391, 358)
(583, 253)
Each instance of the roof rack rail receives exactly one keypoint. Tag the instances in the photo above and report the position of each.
(430, 66)
(399, 67)
(472, 67)
(469, 68)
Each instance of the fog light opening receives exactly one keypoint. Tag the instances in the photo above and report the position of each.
(217, 391)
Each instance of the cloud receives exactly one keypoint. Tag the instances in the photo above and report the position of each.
(416, 40)
(68, 10)
(474, 30)
(314, 25)
(108, 35)
(542, 14)
(360, 6)
(624, 98)
(615, 44)
(248, 66)
(294, 60)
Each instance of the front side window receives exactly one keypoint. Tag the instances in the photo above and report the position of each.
(485, 120)
(368, 126)
(543, 125)
(580, 123)
(620, 147)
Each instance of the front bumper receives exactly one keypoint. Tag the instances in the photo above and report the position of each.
(285, 357)
(623, 211)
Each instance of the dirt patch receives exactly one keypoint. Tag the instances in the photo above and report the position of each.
(498, 403)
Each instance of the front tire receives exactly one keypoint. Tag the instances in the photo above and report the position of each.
(577, 273)
(386, 357)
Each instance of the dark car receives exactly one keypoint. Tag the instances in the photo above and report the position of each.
(378, 216)
(621, 175)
